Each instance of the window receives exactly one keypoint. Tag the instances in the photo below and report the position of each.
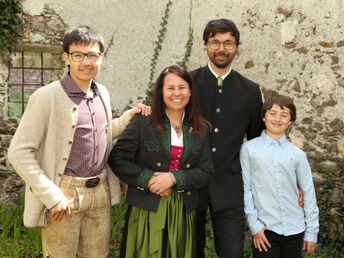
(30, 70)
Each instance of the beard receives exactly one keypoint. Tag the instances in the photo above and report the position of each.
(226, 59)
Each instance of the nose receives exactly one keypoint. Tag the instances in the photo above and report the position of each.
(221, 47)
(86, 60)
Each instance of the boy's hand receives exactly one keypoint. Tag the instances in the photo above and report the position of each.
(300, 200)
(260, 241)
(141, 108)
(310, 246)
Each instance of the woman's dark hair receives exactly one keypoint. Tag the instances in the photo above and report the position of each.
(192, 115)
(221, 26)
(282, 101)
(82, 35)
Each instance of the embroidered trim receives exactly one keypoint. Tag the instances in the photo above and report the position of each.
(180, 178)
(197, 150)
(188, 141)
(145, 177)
(151, 146)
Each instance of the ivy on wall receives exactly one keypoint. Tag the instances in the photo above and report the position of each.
(11, 25)
(157, 49)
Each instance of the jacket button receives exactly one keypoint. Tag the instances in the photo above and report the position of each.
(158, 164)
(75, 109)
(187, 165)
(220, 91)
(189, 193)
(59, 174)
(216, 130)
(218, 110)
(213, 149)
(64, 158)
(73, 126)
(70, 142)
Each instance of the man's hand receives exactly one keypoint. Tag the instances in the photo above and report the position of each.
(141, 108)
(61, 209)
(260, 241)
(300, 200)
(310, 246)
(125, 189)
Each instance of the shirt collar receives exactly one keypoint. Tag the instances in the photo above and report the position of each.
(268, 140)
(216, 75)
(72, 89)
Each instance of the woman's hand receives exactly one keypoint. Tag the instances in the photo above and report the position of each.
(141, 108)
(160, 182)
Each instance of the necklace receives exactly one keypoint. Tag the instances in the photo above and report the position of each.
(176, 128)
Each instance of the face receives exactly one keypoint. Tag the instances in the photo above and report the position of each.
(82, 73)
(176, 93)
(221, 57)
(277, 120)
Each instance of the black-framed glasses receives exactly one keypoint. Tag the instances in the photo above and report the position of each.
(80, 56)
(215, 44)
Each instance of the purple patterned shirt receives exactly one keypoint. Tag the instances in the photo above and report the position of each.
(87, 156)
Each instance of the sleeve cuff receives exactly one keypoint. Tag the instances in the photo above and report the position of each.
(256, 227)
(145, 177)
(180, 178)
(310, 237)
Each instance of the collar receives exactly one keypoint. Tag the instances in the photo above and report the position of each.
(72, 89)
(268, 140)
(216, 75)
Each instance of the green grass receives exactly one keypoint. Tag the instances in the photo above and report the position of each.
(18, 241)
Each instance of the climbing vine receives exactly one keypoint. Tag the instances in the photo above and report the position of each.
(157, 48)
(11, 25)
(330, 230)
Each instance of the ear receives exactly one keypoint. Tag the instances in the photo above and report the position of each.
(102, 56)
(263, 119)
(66, 57)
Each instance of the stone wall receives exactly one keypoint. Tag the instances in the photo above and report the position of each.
(292, 47)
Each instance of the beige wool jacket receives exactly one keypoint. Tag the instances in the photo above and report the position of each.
(41, 146)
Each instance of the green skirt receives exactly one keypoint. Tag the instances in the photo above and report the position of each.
(169, 232)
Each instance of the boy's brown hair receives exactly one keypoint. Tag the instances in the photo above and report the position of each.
(282, 101)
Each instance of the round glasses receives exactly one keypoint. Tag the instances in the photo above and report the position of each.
(80, 56)
(215, 44)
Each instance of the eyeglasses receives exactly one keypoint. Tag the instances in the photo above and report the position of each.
(80, 56)
(215, 44)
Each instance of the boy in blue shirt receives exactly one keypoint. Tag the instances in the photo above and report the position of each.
(272, 167)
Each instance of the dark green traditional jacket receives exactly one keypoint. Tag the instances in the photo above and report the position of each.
(141, 150)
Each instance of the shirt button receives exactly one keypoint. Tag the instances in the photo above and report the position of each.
(179, 151)
(220, 91)
(218, 110)
(216, 130)
(176, 160)
(213, 149)
(187, 165)
(158, 164)
(176, 165)
(178, 156)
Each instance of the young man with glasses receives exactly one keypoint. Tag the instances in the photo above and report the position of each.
(60, 150)
(232, 104)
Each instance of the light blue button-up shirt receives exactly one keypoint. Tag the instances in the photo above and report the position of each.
(271, 170)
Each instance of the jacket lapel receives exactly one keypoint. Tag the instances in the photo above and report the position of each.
(165, 139)
(188, 141)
